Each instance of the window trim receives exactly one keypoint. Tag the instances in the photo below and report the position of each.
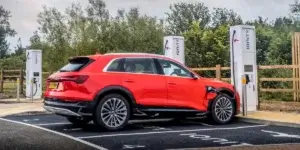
(156, 64)
(131, 57)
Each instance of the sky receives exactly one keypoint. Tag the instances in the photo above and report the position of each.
(24, 12)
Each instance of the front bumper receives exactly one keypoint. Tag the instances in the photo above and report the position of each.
(67, 108)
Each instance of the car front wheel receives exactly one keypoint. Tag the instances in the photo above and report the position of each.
(113, 112)
(223, 109)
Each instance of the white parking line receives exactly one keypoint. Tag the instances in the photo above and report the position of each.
(162, 132)
(28, 120)
(131, 121)
(73, 129)
(55, 123)
(58, 133)
(204, 124)
(150, 120)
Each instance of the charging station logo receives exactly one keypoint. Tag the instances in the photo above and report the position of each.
(27, 56)
(247, 40)
(166, 45)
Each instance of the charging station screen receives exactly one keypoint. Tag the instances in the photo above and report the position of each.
(248, 68)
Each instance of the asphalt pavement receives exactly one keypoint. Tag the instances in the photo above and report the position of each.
(55, 131)
(15, 136)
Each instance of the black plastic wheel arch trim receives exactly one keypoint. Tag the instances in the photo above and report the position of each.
(111, 88)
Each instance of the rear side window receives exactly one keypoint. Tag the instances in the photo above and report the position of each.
(76, 64)
(140, 65)
(116, 66)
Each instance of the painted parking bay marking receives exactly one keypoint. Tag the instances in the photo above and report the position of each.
(174, 131)
(156, 128)
(29, 120)
(280, 134)
(133, 146)
(73, 129)
(55, 123)
(215, 140)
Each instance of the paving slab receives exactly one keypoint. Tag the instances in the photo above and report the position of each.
(275, 118)
(21, 108)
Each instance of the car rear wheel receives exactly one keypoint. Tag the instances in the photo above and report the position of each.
(113, 112)
(223, 109)
(78, 121)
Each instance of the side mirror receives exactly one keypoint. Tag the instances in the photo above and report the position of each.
(193, 76)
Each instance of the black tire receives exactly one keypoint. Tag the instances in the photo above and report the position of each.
(98, 120)
(78, 121)
(214, 117)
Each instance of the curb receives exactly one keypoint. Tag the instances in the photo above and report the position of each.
(268, 122)
(8, 102)
(19, 102)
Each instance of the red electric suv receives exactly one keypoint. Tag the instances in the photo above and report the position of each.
(111, 89)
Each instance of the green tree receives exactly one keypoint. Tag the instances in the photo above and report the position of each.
(221, 16)
(182, 15)
(53, 29)
(5, 31)
(19, 50)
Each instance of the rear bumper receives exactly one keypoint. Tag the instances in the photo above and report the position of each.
(75, 109)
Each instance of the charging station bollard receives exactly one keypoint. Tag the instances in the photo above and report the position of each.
(18, 89)
(244, 97)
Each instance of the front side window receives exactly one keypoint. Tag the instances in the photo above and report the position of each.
(173, 69)
(140, 65)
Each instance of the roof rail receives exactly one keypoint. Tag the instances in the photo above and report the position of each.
(133, 54)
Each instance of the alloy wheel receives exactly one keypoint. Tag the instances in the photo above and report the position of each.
(113, 112)
(224, 109)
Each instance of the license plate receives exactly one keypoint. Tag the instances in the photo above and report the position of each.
(53, 85)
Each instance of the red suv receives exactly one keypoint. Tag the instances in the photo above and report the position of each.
(113, 88)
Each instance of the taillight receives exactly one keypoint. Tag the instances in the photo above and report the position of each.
(79, 79)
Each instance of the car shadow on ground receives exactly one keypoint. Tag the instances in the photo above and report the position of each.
(171, 124)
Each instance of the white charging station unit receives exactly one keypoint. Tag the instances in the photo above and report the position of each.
(34, 74)
(243, 62)
(174, 48)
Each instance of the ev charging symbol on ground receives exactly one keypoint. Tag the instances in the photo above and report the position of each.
(221, 141)
(279, 134)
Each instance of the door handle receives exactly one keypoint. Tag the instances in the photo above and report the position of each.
(171, 83)
(129, 81)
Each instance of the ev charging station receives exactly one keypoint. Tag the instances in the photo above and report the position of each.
(243, 64)
(33, 74)
(174, 48)
(242, 58)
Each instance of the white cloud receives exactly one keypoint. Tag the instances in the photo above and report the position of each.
(24, 12)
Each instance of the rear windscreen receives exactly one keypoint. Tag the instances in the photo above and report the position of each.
(76, 64)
